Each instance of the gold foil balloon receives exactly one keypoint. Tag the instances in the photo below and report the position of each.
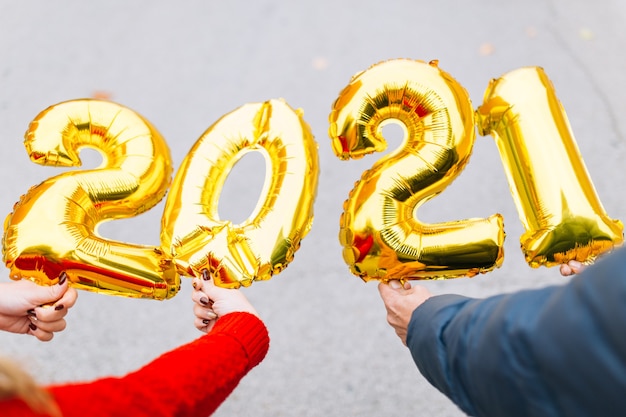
(262, 245)
(379, 231)
(53, 227)
(553, 192)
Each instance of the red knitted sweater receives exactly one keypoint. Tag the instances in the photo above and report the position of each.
(191, 380)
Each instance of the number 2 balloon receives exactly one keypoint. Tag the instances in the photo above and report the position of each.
(53, 227)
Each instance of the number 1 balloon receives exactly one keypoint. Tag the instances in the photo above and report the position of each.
(551, 187)
(380, 234)
(53, 227)
(264, 244)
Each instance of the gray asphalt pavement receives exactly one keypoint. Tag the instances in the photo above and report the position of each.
(184, 64)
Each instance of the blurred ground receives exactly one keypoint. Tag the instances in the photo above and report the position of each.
(183, 66)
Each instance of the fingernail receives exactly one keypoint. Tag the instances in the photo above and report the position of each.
(32, 327)
(59, 307)
(395, 284)
(205, 274)
(205, 321)
(204, 301)
(31, 312)
(62, 278)
(193, 284)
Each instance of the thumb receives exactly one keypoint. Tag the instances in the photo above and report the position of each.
(46, 294)
(395, 284)
(213, 291)
(386, 289)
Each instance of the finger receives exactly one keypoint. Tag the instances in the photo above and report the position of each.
(53, 293)
(68, 299)
(57, 310)
(51, 313)
(51, 326)
(210, 289)
(199, 311)
(575, 266)
(36, 295)
(396, 284)
(205, 274)
(210, 325)
(565, 270)
(40, 334)
(200, 324)
(384, 290)
(200, 298)
(44, 336)
(204, 325)
(204, 312)
(389, 289)
(196, 283)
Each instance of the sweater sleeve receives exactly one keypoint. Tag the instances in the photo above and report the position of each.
(192, 380)
(555, 351)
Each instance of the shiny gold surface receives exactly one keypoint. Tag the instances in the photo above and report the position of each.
(53, 227)
(379, 230)
(265, 243)
(553, 192)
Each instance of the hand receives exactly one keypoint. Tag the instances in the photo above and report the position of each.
(212, 302)
(37, 310)
(571, 268)
(400, 302)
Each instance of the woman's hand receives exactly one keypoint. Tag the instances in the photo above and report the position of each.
(212, 302)
(37, 310)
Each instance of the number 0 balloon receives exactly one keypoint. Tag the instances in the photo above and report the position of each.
(53, 226)
(262, 245)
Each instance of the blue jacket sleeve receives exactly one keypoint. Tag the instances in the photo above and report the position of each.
(555, 351)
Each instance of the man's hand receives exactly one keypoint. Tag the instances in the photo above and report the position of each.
(571, 268)
(400, 302)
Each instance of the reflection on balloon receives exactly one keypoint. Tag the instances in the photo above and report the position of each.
(53, 226)
(381, 237)
(265, 243)
(555, 198)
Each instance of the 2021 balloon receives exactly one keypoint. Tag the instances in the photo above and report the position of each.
(264, 244)
(553, 192)
(380, 234)
(53, 227)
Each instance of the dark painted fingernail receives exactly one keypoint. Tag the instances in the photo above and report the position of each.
(62, 278)
(31, 312)
(32, 327)
(204, 301)
(205, 274)
(59, 307)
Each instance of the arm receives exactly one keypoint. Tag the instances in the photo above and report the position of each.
(553, 351)
(192, 380)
